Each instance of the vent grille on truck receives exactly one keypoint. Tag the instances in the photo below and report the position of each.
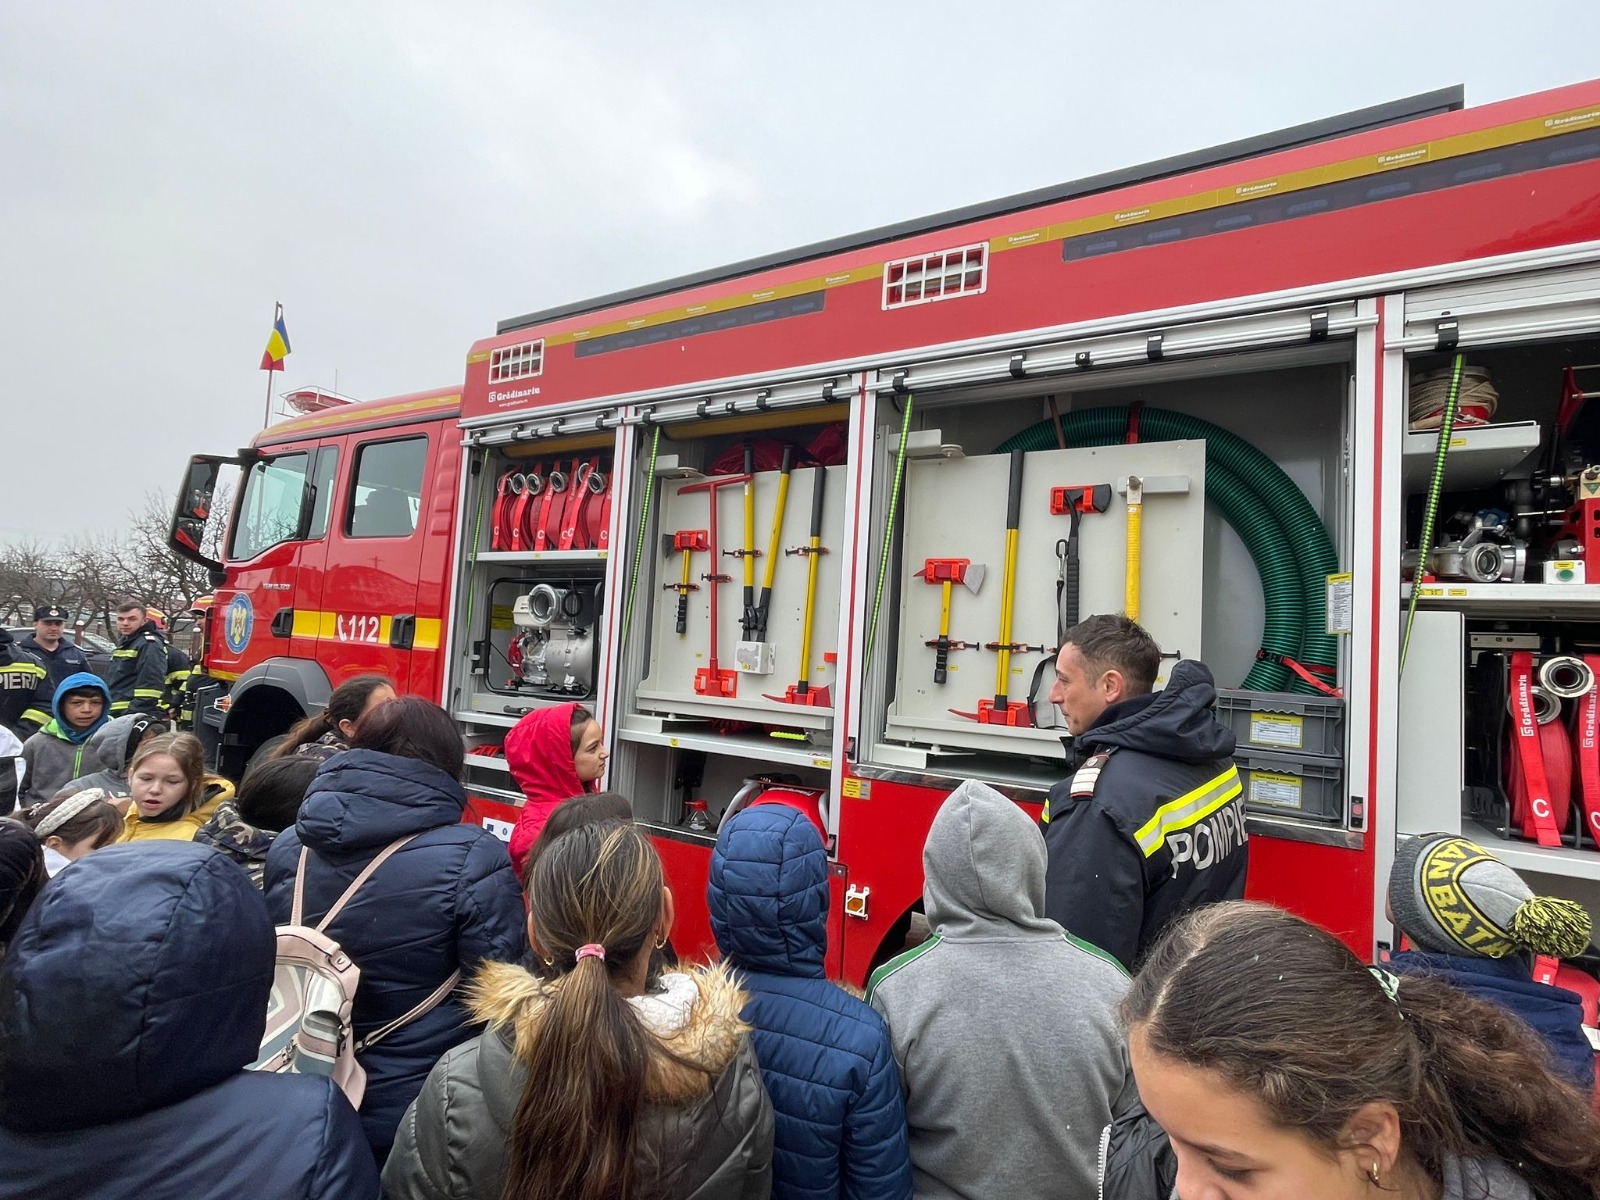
(516, 362)
(963, 271)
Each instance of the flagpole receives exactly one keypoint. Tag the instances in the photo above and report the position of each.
(277, 314)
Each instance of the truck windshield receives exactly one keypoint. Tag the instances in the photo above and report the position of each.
(274, 495)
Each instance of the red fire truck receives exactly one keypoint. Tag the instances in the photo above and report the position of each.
(807, 529)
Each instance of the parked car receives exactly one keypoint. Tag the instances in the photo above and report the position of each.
(95, 648)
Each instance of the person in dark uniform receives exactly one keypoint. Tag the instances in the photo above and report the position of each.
(22, 679)
(139, 663)
(22, 688)
(1151, 822)
(60, 657)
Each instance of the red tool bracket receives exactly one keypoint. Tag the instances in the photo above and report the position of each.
(1086, 498)
(721, 682)
(813, 697)
(1015, 713)
(940, 570)
(692, 539)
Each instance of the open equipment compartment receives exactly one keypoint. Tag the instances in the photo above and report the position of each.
(531, 608)
(1200, 583)
(728, 659)
(1506, 635)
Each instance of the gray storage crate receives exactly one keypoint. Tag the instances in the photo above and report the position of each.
(1292, 785)
(1283, 722)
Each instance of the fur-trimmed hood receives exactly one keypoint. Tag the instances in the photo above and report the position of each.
(706, 1125)
(695, 1017)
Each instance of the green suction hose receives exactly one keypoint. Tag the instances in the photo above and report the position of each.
(1430, 512)
(1277, 524)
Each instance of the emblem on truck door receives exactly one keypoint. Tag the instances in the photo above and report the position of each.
(241, 621)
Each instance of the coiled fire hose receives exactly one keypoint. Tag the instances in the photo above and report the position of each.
(1430, 511)
(1283, 533)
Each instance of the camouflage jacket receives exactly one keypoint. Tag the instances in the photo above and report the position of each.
(228, 832)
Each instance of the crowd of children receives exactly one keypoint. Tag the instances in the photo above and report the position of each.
(531, 1034)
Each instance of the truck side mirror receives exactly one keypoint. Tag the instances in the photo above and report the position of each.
(186, 534)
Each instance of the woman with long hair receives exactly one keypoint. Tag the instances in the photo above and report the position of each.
(324, 734)
(1281, 1066)
(612, 1087)
(172, 794)
(553, 753)
(443, 902)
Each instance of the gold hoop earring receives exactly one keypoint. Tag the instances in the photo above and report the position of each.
(1372, 1173)
(551, 961)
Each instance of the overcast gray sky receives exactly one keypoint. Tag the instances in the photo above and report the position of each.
(403, 174)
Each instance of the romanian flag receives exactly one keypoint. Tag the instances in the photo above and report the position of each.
(277, 345)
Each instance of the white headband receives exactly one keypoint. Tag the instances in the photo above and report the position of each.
(66, 810)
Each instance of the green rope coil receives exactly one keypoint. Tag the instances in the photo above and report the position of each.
(1279, 527)
(1447, 424)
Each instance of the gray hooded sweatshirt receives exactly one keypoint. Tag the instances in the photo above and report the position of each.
(1004, 1026)
(110, 750)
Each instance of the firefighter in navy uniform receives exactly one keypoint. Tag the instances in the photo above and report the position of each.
(22, 684)
(24, 688)
(139, 663)
(59, 656)
(1151, 822)
(179, 668)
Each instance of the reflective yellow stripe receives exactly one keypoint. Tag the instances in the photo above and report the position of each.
(24, 668)
(176, 676)
(124, 654)
(121, 706)
(147, 693)
(324, 626)
(1187, 809)
(36, 716)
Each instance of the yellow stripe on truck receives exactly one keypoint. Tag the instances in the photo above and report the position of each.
(324, 626)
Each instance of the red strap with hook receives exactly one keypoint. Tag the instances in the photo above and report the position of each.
(1530, 750)
(546, 531)
(1589, 750)
(499, 530)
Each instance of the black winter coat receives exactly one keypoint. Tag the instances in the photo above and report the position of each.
(1154, 828)
(131, 1001)
(138, 679)
(447, 901)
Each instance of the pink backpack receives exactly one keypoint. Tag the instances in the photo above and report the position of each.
(309, 1029)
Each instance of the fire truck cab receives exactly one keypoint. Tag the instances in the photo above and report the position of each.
(336, 554)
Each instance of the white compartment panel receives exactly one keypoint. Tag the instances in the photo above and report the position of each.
(956, 508)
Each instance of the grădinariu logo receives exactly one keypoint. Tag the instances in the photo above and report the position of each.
(512, 395)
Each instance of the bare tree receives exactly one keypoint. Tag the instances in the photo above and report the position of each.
(88, 574)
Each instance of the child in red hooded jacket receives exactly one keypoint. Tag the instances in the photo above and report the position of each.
(554, 753)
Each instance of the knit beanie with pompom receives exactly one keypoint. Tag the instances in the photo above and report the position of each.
(1452, 896)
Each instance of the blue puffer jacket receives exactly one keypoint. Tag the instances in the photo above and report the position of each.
(131, 1001)
(825, 1056)
(447, 900)
(1555, 1014)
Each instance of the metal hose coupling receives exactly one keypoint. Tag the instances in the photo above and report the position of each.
(1565, 677)
(1546, 707)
